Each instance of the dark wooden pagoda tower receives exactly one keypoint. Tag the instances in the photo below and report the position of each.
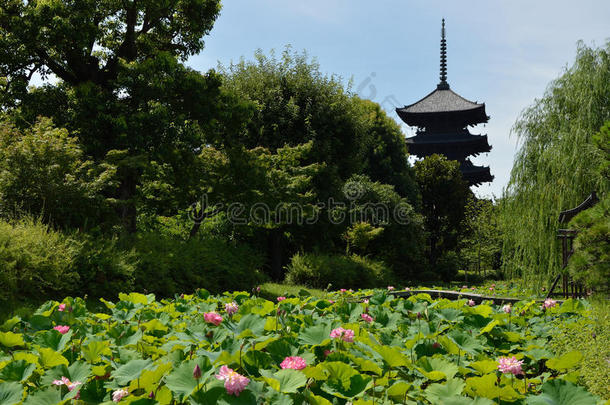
(442, 119)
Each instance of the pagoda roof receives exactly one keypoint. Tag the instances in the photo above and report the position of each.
(475, 175)
(442, 102)
(450, 145)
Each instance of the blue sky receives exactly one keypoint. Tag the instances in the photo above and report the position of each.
(500, 52)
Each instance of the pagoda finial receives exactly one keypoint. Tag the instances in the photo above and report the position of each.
(443, 85)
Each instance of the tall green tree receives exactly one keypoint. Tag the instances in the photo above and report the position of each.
(444, 194)
(556, 165)
(481, 236)
(295, 103)
(120, 81)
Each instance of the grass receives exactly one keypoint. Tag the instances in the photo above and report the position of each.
(590, 336)
(273, 290)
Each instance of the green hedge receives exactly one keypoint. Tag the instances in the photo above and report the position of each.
(38, 263)
(35, 262)
(167, 266)
(320, 270)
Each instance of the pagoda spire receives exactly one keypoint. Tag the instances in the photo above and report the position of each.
(443, 85)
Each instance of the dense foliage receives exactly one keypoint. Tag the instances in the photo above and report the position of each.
(444, 195)
(481, 236)
(339, 349)
(556, 166)
(122, 86)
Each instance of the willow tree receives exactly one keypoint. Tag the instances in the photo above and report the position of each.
(556, 165)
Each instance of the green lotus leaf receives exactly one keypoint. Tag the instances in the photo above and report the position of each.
(137, 298)
(49, 358)
(19, 370)
(130, 371)
(484, 366)
(450, 314)
(356, 385)
(560, 392)
(181, 381)
(315, 399)
(398, 390)
(10, 323)
(392, 356)
(254, 323)
(483, 310)
(467, 401)
(437, 393)
(437, 369)
(486, 387)
(286, 381)
(566, 361)
(78, 371)
(10, 339)
(367, 365)
(572, 306)
(94, 350)
(11, 393)
(489, 326)
(52, 339)
(315, 335)
(244, 398)
(51, 395)
(465, 342)
(538, 353)
(149, 380)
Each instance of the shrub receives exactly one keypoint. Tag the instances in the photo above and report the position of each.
(320, 270)
(43, 171)
(447, 266)
(167, 266)
(36, 262)
(104, 268)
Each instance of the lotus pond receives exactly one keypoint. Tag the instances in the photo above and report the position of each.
(238, 348)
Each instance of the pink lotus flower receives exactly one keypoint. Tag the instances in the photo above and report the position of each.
(119, 394)
(491, 288)
(365, 301)
(473, 288)
(510, 365)
(63, 329)
(61, 308)
(507, 308)
(294, 362)
(471, 303)
(327, 353)
(407, 289)
(390, 288)
(212, 317)
(549, 303)
(231, 308)
(331, 301)
(234, 382)
(464, 287)
(280, 299)
(343, 290)
(197, 372)
(367, 318)
(65, 381)
(347, 335)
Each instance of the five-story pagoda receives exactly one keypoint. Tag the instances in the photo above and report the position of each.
(442, 119)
